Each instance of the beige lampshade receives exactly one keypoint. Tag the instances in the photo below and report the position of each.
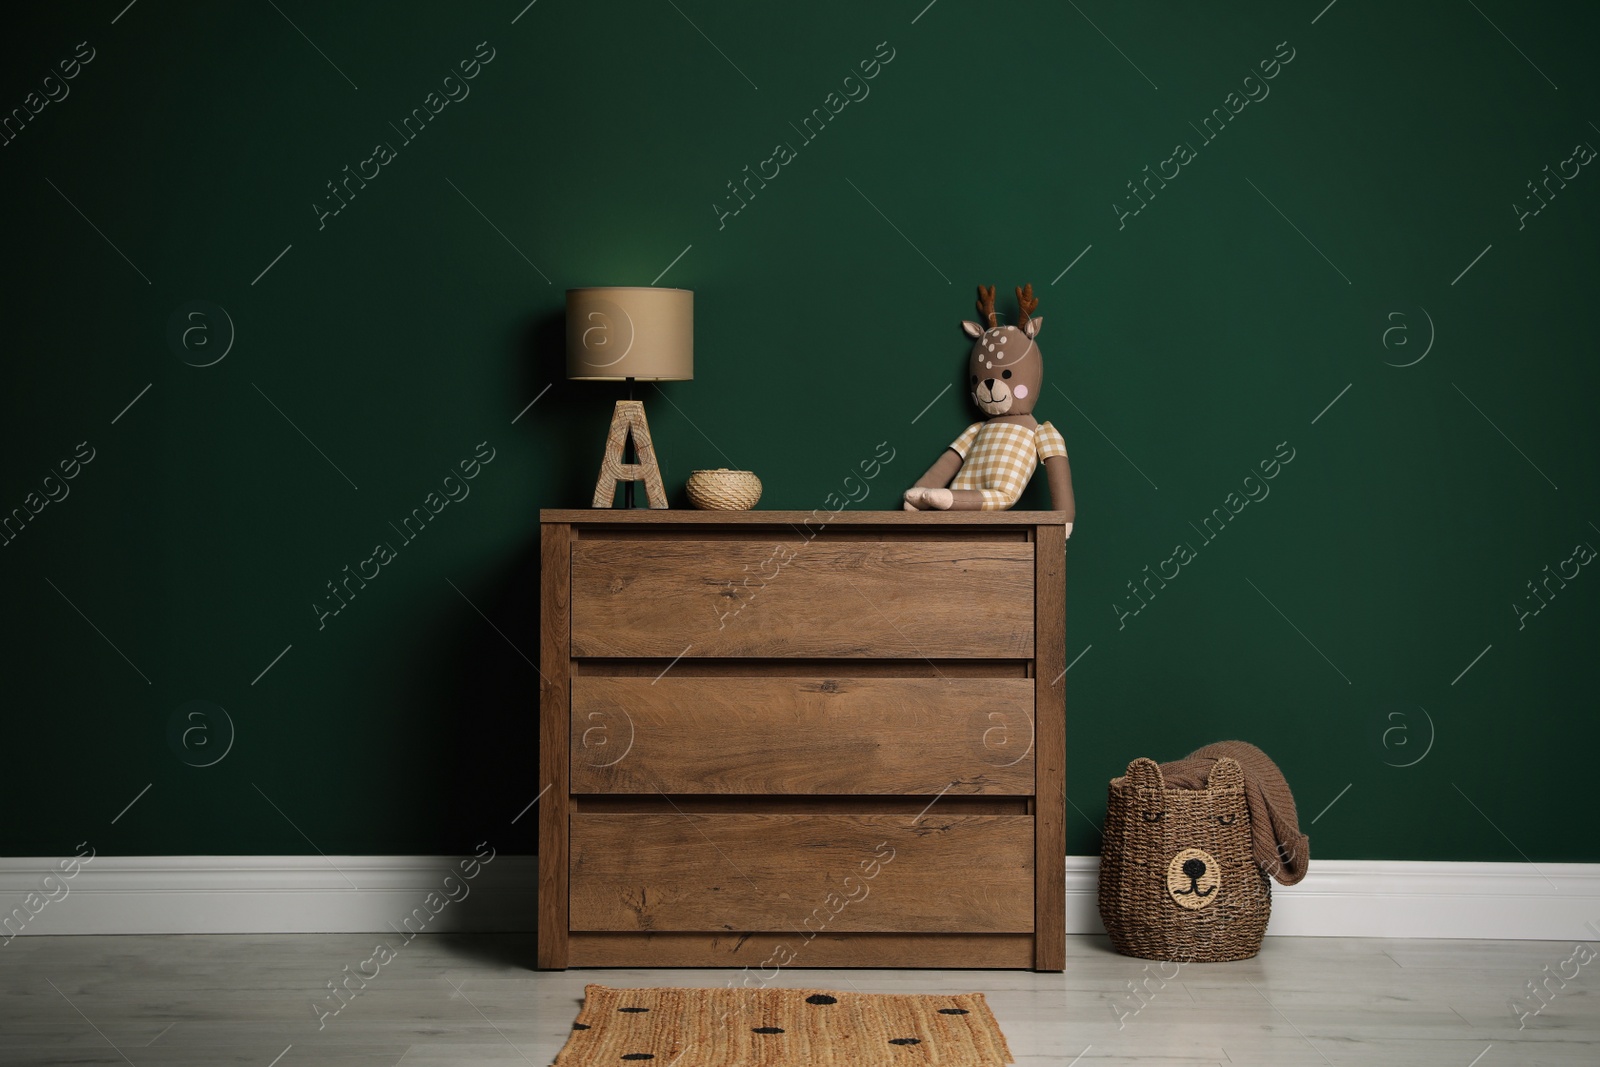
(617, 332)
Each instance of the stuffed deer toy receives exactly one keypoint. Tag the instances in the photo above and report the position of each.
(991, 463)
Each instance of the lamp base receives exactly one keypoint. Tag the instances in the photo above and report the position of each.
(628, 419)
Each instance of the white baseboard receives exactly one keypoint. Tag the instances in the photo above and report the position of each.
(269, 894)
(362, 894)
(1404, 898)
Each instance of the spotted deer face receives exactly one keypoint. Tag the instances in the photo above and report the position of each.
(1006, 369)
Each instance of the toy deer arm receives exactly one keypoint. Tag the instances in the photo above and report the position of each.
(943, 471)
(1059, 475)
(941, 474)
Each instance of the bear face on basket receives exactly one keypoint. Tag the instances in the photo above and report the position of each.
(1179, 879)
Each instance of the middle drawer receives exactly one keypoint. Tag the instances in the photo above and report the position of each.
(802, 735)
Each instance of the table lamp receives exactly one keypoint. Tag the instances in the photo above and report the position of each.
(628, 334)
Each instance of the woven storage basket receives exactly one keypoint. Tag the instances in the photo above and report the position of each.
(723, 490)
(1178, 876)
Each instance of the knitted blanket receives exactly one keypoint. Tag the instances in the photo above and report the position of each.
(1280, 848)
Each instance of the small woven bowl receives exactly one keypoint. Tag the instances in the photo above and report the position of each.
(723, 490)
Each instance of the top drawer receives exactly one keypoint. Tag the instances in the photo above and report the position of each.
(754, 598)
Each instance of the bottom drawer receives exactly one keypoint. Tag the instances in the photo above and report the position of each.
(807, 873)
(764, 952)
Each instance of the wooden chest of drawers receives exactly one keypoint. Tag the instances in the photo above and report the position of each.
(769, 739)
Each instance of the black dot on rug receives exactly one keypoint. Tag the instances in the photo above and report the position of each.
(766, 1030)
(639, 1056)
(821, 998)
(905, 1041)
(633, 1010)
(580, 1026)
(952, 1011)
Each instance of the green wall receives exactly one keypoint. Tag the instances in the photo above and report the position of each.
(1328, 623)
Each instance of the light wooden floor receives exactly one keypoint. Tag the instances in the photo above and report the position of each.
(460, 1000)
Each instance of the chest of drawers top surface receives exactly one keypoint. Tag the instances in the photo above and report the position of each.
(670, 517)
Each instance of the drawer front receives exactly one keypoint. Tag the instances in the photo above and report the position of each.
(770, 598)
(620, 948)
(809, 873)
(802, 736)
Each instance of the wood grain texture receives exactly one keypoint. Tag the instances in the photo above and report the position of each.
(729, 766)
(1050, 816)
(960, 600)
(554, 609)
(734, 667)
(840, 873)
(628, 419)
(597, 521)
(797, 536)
(764, 953)
(907, 807)
(802, 736)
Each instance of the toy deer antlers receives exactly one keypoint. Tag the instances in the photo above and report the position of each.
(1026, 302)
(986, 305)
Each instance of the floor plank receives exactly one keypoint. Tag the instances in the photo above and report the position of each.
(462, 1000)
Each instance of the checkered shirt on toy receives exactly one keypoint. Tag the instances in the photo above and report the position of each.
(999, 459)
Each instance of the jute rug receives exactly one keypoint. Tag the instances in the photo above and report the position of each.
(792, 1027)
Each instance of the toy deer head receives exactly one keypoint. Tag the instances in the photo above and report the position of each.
(1006, 368)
